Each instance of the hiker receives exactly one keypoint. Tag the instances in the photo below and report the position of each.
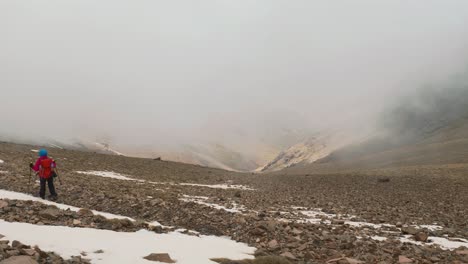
(45, 167)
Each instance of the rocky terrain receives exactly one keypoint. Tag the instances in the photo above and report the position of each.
(397, 215)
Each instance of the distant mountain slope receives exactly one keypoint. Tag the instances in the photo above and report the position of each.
(429, 128)
(307, 151)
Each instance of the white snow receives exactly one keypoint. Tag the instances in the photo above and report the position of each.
(4, 194)
(433, 227)
(444, 243)
(317, 216)
(118, 176)
(106, 147)
(202, 200)
(3, 172)
(123, 247)
(220, 186)
(55, 146)
(1, 161)
(110, 174)
(378, 238)
(35, 150)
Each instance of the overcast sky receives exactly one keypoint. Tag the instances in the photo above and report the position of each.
(172, 71)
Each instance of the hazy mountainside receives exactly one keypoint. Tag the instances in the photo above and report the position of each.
(429, 128)
(235, 146)
(307, 151)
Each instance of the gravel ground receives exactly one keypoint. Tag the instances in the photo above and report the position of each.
(304, 217)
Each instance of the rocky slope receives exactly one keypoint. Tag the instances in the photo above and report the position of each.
(415, 214)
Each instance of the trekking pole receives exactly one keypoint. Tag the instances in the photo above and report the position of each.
(30, 176)
(58, 176)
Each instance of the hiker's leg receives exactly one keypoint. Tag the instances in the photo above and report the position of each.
(42, 189)
(50, 182)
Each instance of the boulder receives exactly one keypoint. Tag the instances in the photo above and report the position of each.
(403, 259)
(410, 230)
(160, 257)
(50, 213)
(85, 212)
(288, 255)
(19, 260)
(273, 244)
(421, 237)
(3, 204)
(16, 244)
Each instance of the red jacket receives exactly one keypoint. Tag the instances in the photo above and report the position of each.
(41, 166)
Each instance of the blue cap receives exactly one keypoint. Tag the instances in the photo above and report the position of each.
(42, 153)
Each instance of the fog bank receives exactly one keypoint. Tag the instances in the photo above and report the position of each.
(167, 73)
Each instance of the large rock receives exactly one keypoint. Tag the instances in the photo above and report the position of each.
(19, 260)
(85, 212)
(403, 259)
(50, 213)
(421, 236)
(160, 257)
(411, 230)
(273, 244)
(288, 255)
(3, 204)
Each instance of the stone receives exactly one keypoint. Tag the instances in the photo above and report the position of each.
(50, 213)
(13, 252)
(76, 222)
(410, 230)
(353, 261)
(3, 204)
(421, 237)
(160, 257)
(403, 259)
(18, 245)
(19, 260)
(338, 222)
(462, 252)
(296, 231)
(85, 212)
(288, 255)
(384, 180)
(28, 251)
(273, 244)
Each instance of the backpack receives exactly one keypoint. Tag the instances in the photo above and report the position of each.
(45, 169)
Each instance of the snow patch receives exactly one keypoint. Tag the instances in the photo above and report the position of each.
(1, 161)
(106, 147)
(378, 238)
(444, 243)
(25, 197)
(220, 186)
(110, 174)
(203, 201)
(118, 176)
(433, 227)
(3, 172)
(124, 247)
(55, 146)
(4, 194)
(317, 216)
(35, 150)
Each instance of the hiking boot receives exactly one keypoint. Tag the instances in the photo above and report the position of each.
(52, 197)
